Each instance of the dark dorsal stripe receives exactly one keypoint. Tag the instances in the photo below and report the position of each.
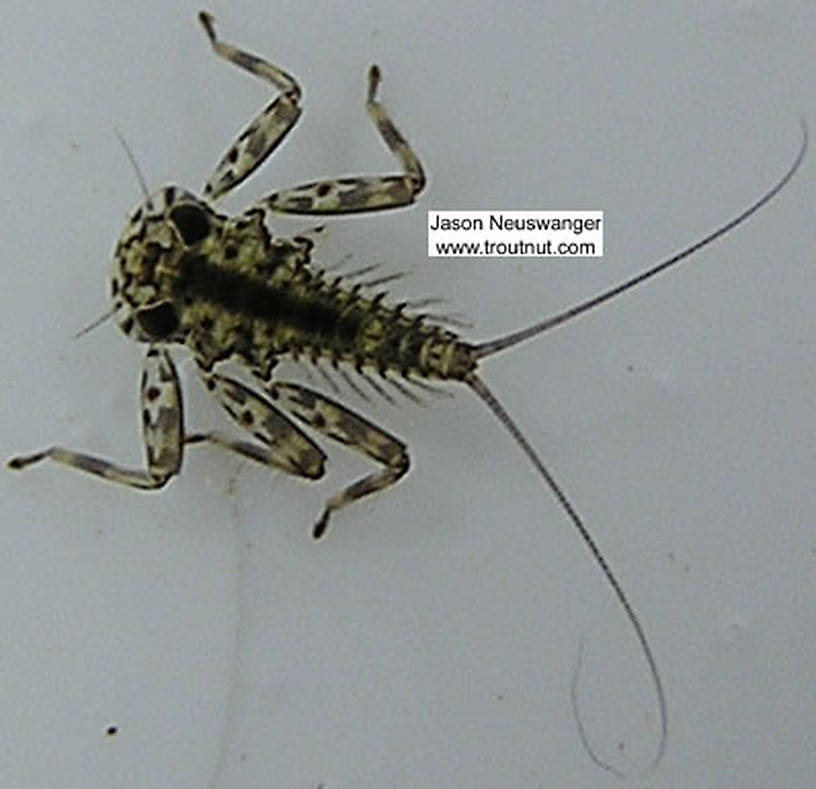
(245, 295)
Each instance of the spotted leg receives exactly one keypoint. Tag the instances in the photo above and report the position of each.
(283, 445)
(264, 133)
(162, 432)
(361, 193)
(339, 423)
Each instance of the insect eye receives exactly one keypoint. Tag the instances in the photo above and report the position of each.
(158, 321)
(191, 222)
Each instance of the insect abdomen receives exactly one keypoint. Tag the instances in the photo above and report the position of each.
(296, 313)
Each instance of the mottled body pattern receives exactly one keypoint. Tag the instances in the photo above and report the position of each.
(228, 289)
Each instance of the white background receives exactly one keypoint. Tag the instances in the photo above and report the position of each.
(430, 640)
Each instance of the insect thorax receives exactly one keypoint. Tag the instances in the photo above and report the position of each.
(226, 288)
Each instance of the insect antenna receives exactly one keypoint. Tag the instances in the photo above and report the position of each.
(97, 322)
(135, 165)
(132, 159)
(499, 344)
(480, 388)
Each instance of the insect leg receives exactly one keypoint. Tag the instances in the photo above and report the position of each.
(162, 431)
(264, 133)
(283, 445)
(361, 193)
(337, 422)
